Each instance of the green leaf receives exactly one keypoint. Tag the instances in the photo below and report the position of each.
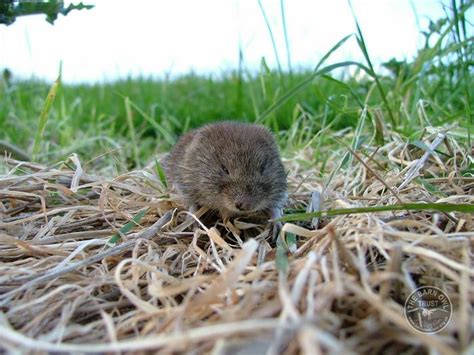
(7, 12)
(10, 10)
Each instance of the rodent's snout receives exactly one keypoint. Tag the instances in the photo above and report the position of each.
(244, 203)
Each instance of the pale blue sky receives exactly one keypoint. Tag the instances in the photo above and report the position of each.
(119, 38)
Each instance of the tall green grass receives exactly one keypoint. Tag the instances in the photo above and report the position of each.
(128, 121)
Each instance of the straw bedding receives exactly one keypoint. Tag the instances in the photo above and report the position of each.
(218, 287)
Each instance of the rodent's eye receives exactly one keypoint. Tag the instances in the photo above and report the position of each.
(262, 168)
(224, 169)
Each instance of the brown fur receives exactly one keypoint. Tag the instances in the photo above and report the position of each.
(231, 167)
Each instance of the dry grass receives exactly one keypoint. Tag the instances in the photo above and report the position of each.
(207, 288)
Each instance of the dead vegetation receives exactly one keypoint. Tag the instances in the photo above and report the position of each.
(217, 287)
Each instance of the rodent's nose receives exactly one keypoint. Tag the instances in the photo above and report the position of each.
(243, 204)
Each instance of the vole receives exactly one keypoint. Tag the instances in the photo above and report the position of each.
(231, 167)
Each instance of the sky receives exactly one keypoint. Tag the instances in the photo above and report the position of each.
(121, 38)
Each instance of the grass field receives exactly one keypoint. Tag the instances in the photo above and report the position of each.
(380, 163)
(432, 90)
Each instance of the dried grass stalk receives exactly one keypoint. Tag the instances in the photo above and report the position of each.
(174, 285)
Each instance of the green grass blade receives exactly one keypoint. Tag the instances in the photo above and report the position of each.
(463, 68)
(161, 173)
(131, 129)
(363, 47)
(346, 87)
(165, 134)
(291, 241)
(127, 227)
(168, 137)
(429, 187)
(438, 207)
(285, 33)
(304, 83)
(331, 51)
(281, 259)
(269, 27)
(43, 118)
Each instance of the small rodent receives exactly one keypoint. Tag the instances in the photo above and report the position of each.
(232, 167)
